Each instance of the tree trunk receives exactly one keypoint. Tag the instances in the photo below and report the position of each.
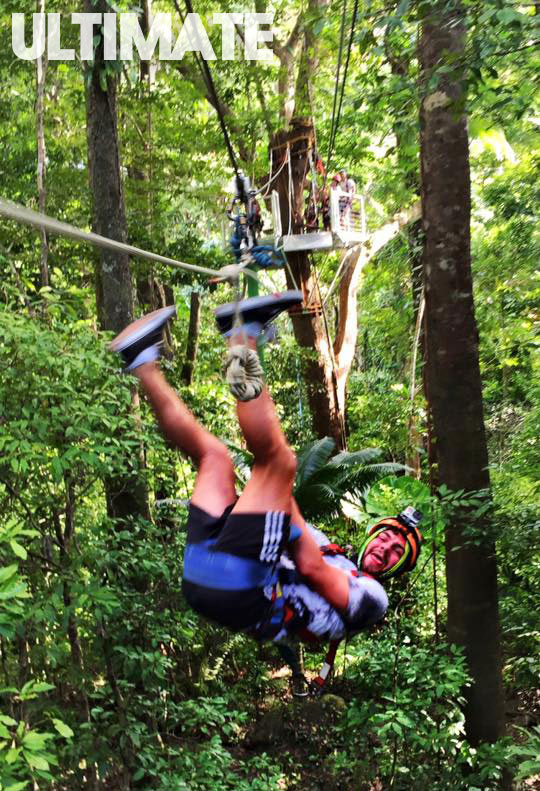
(309, 57)
(452, 366)
(192, 343)
(347, 324)
(41, 71)
(126, 497)
(65, 539)
(308, 323)
(113, 273)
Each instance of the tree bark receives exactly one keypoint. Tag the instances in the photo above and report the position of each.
(452, 365)
(41, 72)
(309, 58)
(192, 343)
(126, 497)
(113, 274)
(347, 324)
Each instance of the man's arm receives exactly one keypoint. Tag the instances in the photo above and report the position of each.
(361, 601)
(329, 582)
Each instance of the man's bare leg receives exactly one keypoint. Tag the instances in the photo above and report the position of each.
(214, 487)
(270, 489)
(274, 468)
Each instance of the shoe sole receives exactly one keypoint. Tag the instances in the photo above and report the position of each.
(137, 330)
(253, 308)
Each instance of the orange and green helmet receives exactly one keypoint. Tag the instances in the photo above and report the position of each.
(407, 525)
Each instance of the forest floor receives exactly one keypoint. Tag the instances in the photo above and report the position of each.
(302, 733)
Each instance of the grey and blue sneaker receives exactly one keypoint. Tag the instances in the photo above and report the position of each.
(256, 310)
(141, 340)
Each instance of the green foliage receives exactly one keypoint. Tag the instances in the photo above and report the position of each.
(29, 755)
(13, 588)
(392, 494)
(379, 408)
(407, 723)
(109, 679)
(529, 753)
(323, 481)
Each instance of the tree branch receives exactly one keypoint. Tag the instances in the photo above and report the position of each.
(347, 331)
(500, 53)
(389, 230)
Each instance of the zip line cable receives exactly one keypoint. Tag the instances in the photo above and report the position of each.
(212, 88)
(196, 54)
(345, 71)
(336, 86)
(336, 116)
(14, 211)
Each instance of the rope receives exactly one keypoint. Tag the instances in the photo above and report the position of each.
(290, 192)
(335, 125)
(262, 190)
(287, 160)
(21, 214)
(313, 184)
(272, 177)
(244, 373)
(290, 141)
(196, 54)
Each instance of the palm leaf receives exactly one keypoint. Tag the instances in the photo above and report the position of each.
(312, 458)
(317, 499)
(364, 456)
(322, 482)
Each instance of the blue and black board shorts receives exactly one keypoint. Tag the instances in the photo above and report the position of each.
(230, 564)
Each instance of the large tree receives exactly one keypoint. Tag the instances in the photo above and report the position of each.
(454, 386)
(114, 286)
(113, 274)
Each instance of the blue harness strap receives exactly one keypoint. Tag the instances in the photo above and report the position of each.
(222, 571)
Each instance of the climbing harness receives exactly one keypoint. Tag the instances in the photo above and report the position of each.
(283, 615)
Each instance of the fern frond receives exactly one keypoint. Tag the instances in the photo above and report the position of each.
(364, 456)
(312, 458)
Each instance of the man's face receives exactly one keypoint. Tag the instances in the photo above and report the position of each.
(383, 552)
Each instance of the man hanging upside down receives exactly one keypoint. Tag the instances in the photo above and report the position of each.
(252, 563)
